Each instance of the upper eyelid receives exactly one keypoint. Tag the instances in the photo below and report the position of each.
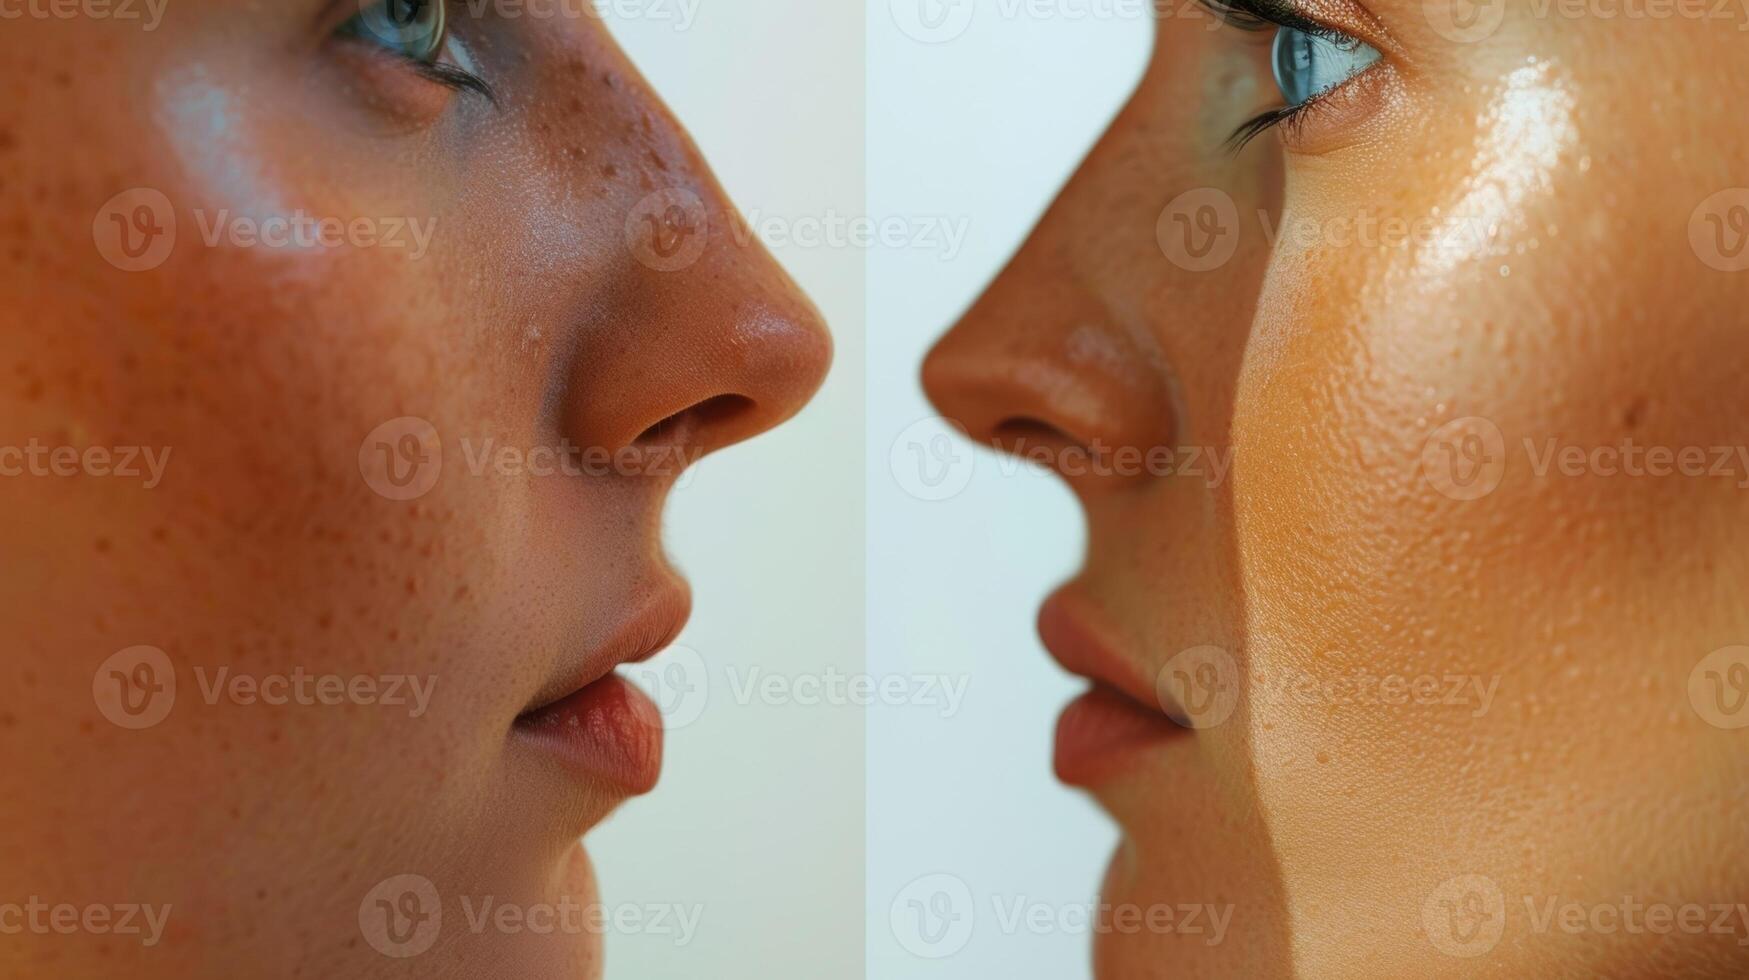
(1257, 14)
(1288, 13)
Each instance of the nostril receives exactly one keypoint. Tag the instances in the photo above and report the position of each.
(1021, 427)
(684, 425)
(1016, 435)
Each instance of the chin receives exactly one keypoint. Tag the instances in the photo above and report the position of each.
(569, 950)
(1193, 888)
(1176, 917)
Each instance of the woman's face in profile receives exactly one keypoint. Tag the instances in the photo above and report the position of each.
(1401, 595)
(338, 649)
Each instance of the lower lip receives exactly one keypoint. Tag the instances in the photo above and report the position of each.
(1101, 732)
(609, 730)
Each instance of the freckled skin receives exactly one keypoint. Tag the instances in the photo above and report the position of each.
(1325, 365)
(530, 322)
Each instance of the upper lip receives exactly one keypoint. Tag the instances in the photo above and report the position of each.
(1074, 634)
(651, 627)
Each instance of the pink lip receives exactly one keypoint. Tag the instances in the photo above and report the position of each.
(608, 729)
(1068, 625)
(1099, 733)
(597, 723)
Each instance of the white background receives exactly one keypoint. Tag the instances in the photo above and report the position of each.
(794, 831)
(984, 125)
(758, 821)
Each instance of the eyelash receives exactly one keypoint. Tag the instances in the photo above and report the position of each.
(1259, 17)
(456, 78)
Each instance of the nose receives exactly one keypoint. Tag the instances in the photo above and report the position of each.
(1103, 348)
(711, 353)
(1038, 367)
(699, 340)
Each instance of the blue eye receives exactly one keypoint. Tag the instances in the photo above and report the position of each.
(418, 32)
(413, 29)
(1307, 65)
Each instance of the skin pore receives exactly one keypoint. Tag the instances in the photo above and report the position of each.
(548, 268)
(1489, 250)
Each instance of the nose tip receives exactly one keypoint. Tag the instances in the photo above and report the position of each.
(1036, 370)
(726, 348)
(761, 368)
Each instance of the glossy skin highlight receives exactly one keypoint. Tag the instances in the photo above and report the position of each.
(1553, 167)
(530, 320)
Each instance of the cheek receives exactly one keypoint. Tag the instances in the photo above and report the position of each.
(336, 411)
(255, 373)
(1409, 351)
(258, 376)
(298, 314)
(256, 392)
(1422, 574)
